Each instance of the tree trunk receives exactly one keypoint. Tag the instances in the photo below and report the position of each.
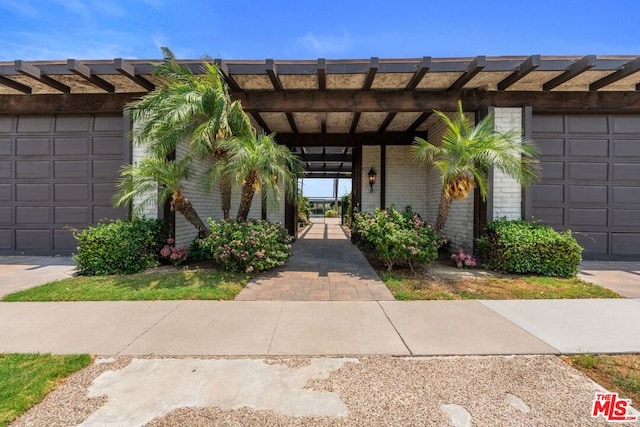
(443, 209)
(183, 205)
(225, 197)
(248, 190)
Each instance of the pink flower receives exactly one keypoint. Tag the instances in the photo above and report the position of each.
(170, 241)
(166, 251)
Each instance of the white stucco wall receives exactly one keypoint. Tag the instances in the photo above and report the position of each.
(406, 180)
(370, 199)
(505, 194)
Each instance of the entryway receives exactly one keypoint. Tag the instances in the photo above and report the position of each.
(325, 266)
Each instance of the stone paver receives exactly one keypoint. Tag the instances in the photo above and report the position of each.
(325, 266)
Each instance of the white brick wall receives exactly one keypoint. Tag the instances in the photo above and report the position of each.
(370, 157)
(148, 210)
(505, 194)
(185, 232)
(459, 226)
(406, 180)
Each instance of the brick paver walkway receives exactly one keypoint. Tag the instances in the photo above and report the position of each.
(325, 266)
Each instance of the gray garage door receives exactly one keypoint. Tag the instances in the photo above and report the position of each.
(56, 173)
(591, 181)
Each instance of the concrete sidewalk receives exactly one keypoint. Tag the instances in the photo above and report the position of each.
(323, 328)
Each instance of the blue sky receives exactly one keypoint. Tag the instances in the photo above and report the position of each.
(242, 29)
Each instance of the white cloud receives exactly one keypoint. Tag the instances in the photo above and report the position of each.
(326, 44)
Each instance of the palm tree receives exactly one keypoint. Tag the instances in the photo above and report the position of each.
(468, 152)
(196, 109)
(259, 163)
(158, 180)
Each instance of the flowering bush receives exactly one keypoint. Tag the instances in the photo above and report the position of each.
(397, 237)
(176, 255)
(251, 246)
(463, 260)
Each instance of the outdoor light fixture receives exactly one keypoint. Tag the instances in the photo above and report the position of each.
(372, 177)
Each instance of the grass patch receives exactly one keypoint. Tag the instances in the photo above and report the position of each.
(187, 283)
(618, 373)
(426, 286)
(26, 378)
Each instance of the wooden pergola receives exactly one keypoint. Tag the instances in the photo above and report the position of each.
(325, 109)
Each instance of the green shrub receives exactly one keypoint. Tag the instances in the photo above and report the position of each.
(530, 248)
(251, 246)
(329, 213)
(119, 247)
(397, 237)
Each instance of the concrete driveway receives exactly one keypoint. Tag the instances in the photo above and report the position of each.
(22, 272)
(621, 277)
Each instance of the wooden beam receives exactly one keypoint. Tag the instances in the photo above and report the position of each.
(292, 122)
(224, 70)
(474, 67)
(575, 69)
(527, 66)
(627, 69)
(419, 101)
(387, 121)
(417, 122)
(90, 103)
(323, 122)
(322, 74)
(354, 122)
(328, 175)
(272, 72)
(258, 118)
(15, 85)
(35, 73)
(326, 157)
(423, 68)
(80, 69)
(346, 139)
(127, 69)
(371, 73)
(326, 168)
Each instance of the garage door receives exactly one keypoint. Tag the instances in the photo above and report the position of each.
(56, 173)
(591, 181)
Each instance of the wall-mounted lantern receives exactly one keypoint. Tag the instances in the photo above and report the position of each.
(372, 177)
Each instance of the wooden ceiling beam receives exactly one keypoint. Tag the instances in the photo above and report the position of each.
(346, 139)
(35, 73)
(272, 72)
(224, 70)
(420, 120)
(401, 101)
(326, 168)
(577, 68)
(627, 69)
(322, 74)
(15, 85)
(327, 175)
(127, 69)
(354, 122)
(371, 73)
(527, 66)
(387, 121)
(292, 122)
(258, 118)
(326, 157)
(474, 67)
(323, 122)
(423, 68)
(80, 69)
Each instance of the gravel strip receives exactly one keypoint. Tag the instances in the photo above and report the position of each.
(381, 391)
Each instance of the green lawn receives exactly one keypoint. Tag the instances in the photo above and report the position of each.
(166, 284)
(409, 286)
(26, 378)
